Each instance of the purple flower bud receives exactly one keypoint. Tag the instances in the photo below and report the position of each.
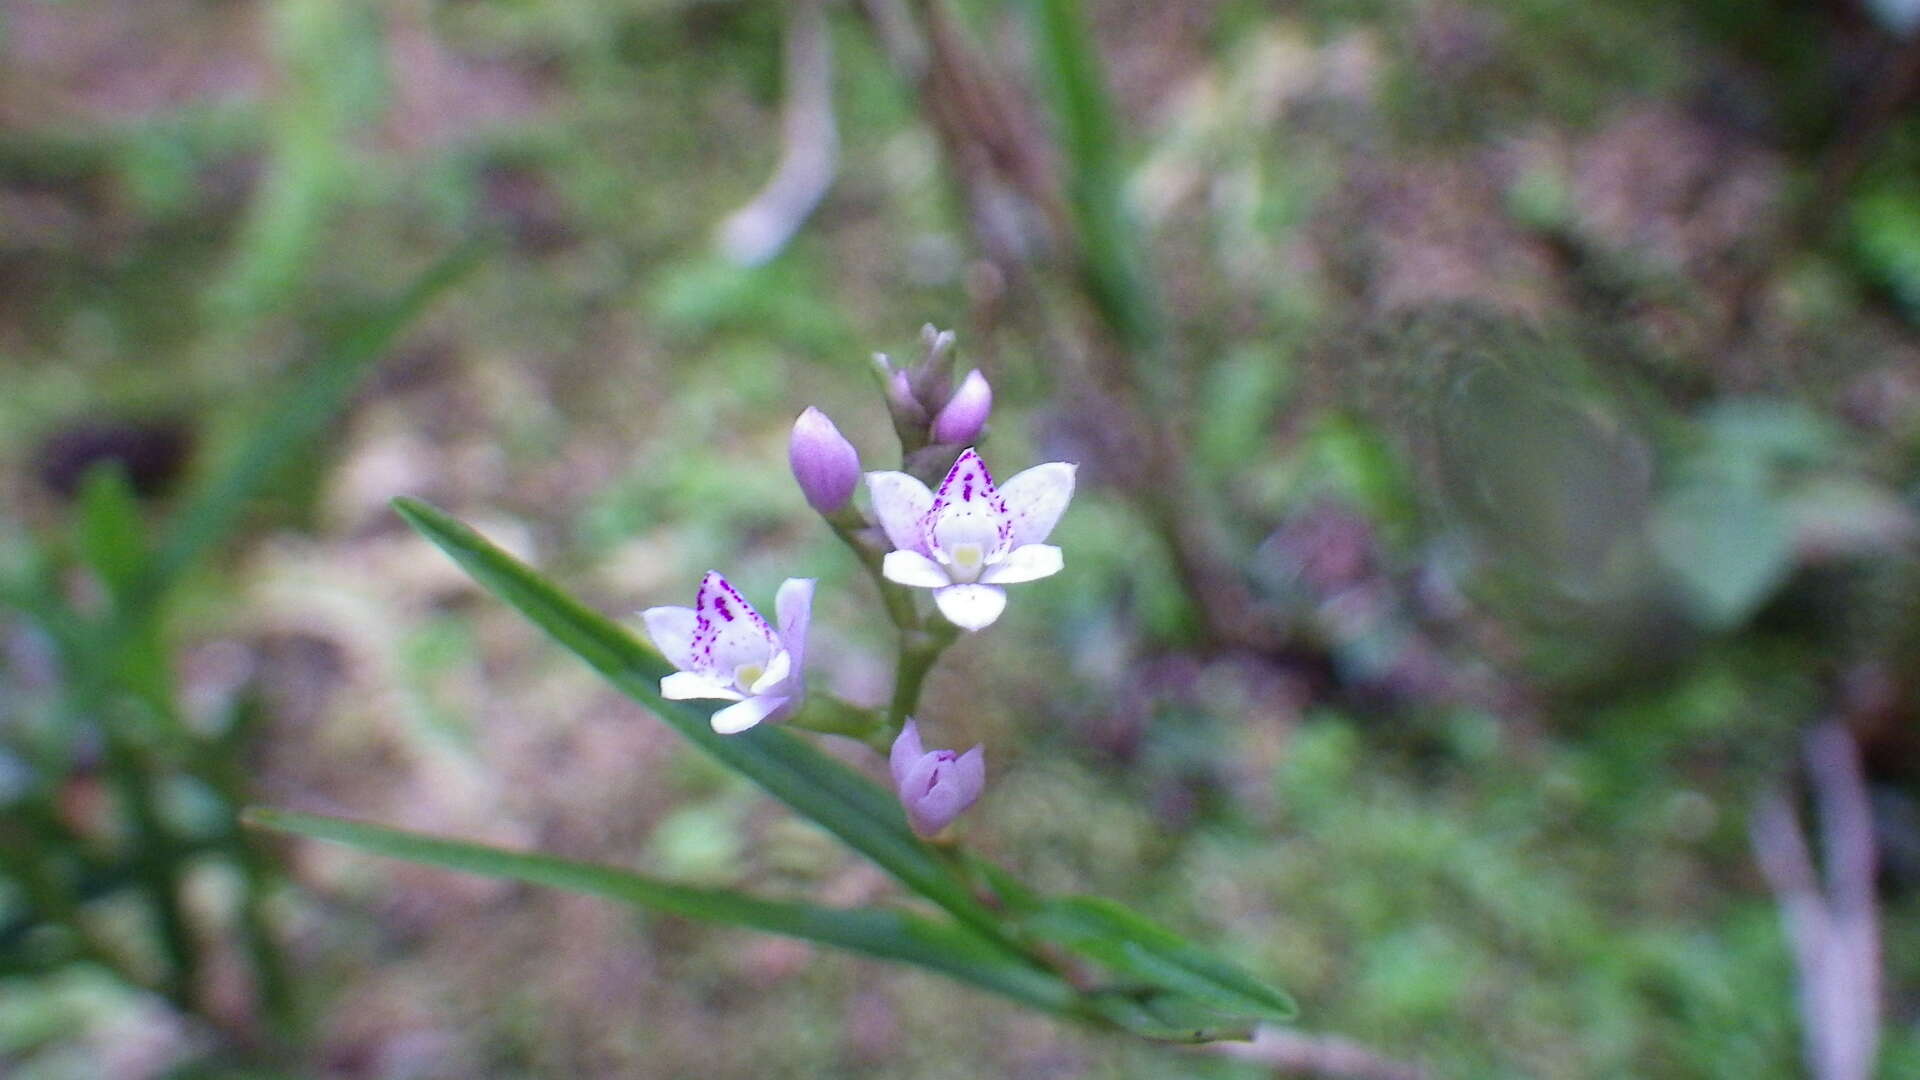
(824, 462)
(935, 786)
(966, 412)
(900, 398)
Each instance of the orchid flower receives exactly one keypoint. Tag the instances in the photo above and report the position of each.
(725, 650)
(970, 538)
(935, 786)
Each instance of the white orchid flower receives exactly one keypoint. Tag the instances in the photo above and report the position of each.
(726, 651)
(971, 538)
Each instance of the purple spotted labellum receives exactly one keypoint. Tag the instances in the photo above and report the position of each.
(825, 464)
(970, 538)
(935, 786)
(726, 651)
(965, 414)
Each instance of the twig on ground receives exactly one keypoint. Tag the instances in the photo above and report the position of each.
(1834, 932)
(1294, 1053)
(810, 145)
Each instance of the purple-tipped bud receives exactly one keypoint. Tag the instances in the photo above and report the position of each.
(965, 413)
(900, 398)
(935, 786)
(824, 462)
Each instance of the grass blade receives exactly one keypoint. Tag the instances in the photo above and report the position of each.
(1112, 260)
(302, 414)
(1136, 948)
(887, 935)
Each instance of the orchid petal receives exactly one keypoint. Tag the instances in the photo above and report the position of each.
(742, 715)
(900, 503)
(1028, 563)
(728, 632)
(1036, 498)
(692, 686)
(779, 669)
(970, 772)
(968, 510)
(906, 752)
(971, 607)
(793, 605)
(915, 569)
(671, 629)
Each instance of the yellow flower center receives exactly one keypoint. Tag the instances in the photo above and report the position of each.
(965, 561)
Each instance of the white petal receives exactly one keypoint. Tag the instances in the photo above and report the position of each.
(1035, 499)
(793, 605)
(742, 715)
(1029, 563)
(671, 629)
(915, 569)
(900, 502)
(778, 669)
(971, 607)
(691, 686)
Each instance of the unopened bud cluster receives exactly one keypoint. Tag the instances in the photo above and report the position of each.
(927, 407)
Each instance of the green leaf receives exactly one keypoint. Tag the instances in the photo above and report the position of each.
(1166, 1017)
(1114, 266)
(843, 802)
(888, 935)
(1135, 948)
(316, 397)
(109, 533)
(1728, 545)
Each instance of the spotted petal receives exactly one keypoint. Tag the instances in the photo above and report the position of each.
(1029, 563)
(671, 629)
(971, 607)
(967, 510)
(1036, 498)
(900, 503)
(728, 633)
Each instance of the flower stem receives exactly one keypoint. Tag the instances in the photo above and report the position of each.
(919, 649)
(852, 528)
(831, 716)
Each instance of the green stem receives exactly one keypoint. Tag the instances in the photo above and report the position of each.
(829, 715)
(919, 650)
(848, 524)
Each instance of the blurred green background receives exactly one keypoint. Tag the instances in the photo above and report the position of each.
(1539, 381)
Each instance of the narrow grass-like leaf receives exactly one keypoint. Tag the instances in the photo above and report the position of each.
(1136, 948)
(888, 935)
(108, 531)
(1113, 262)
(1167, 1017)
(843, 802)
(316, 397)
